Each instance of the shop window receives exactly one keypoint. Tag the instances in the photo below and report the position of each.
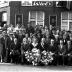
(32, 15)
(65, 16)
(4, 16)
(36, 18)
(66, 21)
(70, 16)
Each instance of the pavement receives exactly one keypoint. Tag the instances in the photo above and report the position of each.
(7, 67)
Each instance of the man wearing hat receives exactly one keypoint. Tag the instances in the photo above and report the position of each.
(3, 49)
(15, 51)
(9, 41)
(29, 29)
(20, 36)
(52, 47)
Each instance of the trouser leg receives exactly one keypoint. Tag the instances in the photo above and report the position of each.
(54, 60)
(7, 55)
(69, 60)
(60, 60)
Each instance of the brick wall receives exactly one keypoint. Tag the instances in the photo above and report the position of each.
(16, 8)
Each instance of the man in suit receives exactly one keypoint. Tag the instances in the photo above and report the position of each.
(20, 37)
(15, 51)
(3, 50)
(8, 43)
(24, 47)
(61, 52)
(53, 48)
(43, 44)
(64, 39)
(29, 29)
(69, 53)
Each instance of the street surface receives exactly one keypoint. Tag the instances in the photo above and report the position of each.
(6, 67)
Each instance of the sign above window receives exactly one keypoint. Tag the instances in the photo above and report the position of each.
(42, 3)
(26, 3)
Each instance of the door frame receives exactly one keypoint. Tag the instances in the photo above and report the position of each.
(49, 19)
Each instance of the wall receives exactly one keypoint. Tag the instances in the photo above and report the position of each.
(5, 9)
(16, 8)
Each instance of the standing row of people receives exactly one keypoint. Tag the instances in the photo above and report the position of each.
(19, 40)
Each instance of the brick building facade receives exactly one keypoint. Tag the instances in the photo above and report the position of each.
(36, 15)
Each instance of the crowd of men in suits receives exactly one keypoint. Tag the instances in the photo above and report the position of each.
(15, 41)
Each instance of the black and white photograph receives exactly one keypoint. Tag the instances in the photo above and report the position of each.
(35, 35)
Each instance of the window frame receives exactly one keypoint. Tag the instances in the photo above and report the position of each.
(29, 20)
(68, 20)
(56, 19)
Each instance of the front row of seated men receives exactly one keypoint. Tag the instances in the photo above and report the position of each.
(62, 53)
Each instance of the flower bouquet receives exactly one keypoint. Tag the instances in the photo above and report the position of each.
(35, 56)
(46, 57)
(28, 56)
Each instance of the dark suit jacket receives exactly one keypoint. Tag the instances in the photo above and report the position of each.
(30, 30)
(15, 47)
(3, 49)
(25, 47)
(3, 42)
(69, 50)
(20, 38)
(53, 48)
(44, 47)
(9, 41)
(61, 50)
(65, 41)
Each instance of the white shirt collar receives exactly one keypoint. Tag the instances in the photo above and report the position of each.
(34, 44)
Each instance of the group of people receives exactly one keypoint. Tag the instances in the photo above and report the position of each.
(17, 41)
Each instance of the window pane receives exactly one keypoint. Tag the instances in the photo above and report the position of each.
(64, 23)
(70, 25)
(39, 16)
(36, 17)
(64, 28)
(70, 16)
(40, 23)
(64, 16)
(33, 15)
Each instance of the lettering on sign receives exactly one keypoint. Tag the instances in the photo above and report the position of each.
(42, 3)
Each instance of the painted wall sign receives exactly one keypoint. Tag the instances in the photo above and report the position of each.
(42, 3)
